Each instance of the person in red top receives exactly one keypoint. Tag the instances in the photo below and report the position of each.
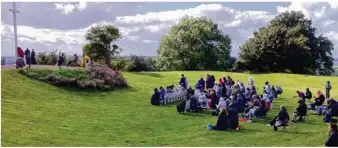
(19, 61)
(20, 52)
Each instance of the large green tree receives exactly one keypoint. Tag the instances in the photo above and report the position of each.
(195, 43)
(101, 43)
(288, 44)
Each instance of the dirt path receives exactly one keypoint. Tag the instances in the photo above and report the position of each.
(13, 66)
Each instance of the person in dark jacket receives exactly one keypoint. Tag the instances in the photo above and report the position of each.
(61, 59)
(300, 112)
(28, 56)
(223, 121)
(213, 80)
(155, 98)
(201, 82)
(281, 119)
(208, 82)
(233, 116)
(300, 95)
(332, 110)
(332, 141)
(33, 60)
(182, 81)
(308, 94)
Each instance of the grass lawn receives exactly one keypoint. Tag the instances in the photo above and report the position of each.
(39, 114)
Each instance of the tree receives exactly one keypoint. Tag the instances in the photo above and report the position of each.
(195, 43)
(287, 44)
(101, 43)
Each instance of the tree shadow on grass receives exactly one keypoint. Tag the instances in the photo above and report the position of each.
(150, 74)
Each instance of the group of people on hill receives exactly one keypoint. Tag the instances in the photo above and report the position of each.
(25, 57)
(74, 62)
(227, 98)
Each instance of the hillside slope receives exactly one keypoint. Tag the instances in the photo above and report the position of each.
(39, 114)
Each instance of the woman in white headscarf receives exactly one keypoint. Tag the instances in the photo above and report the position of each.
(221, 104)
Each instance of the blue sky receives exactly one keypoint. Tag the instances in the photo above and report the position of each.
(46, 26)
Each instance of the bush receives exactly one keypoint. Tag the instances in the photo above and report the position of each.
(50, 58)
(96, 76)
(140, 63)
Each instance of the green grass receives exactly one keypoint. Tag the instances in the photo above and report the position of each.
(39, 114)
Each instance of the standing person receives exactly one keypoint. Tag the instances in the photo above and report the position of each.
(201, 82)
(328, 88)
(213, 80)
(61, 59)
(28, 56)
(183, 81)
(33, 60)
(332, 141)
(209, 83)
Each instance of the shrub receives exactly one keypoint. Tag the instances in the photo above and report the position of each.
(96, 76)
(140, 63)
(50, 58)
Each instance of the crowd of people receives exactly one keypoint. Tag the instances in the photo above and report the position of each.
(26, 57)
(226, 98)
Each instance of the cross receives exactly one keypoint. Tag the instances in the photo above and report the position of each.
(15, 30)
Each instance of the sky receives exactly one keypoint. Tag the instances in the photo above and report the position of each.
(46, 26)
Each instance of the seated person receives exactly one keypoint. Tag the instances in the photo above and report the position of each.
(332, 141)
(233, 116)
(323, 109)
(240, 104)
(190, 91)
(281, 119)
(252, 109)
(332, 110)
(162, 93)
(279, 90)
(300, 95)
(300, 112)
(223, 121)
(213, 100)
(223, 104)
(155, 98)
(194, 104)
(308, 94)
(203, 101)
(318, 101)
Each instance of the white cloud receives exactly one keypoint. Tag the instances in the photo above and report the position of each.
(156, 28)
(69, 8)
(148, 41)
(169, 15)
(65, 9)
(82, 5)
(133, 38)
(332, 35)
(327, 23)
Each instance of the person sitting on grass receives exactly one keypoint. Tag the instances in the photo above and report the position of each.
(279, 90)
(233, 116)
(332, 110)
(219, 90)
(300, 95)
(252, 109)
(74, 62)
(281, 119)
(223, 121)
(155, 98)
(300, 112)
(201, 83)
(318, 101)
(213, 100)
(162, 93)
(308, 94)
(332, 141)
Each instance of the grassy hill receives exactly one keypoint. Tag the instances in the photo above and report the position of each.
(39, 114)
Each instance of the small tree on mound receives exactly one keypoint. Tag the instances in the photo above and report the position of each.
(101, 43)
(287, 44)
